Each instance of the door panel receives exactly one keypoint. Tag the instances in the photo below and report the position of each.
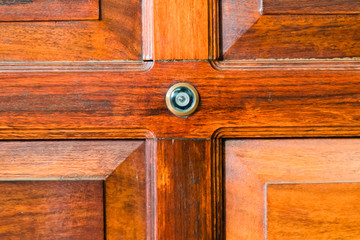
(311, 7)
(51, 210)
(82, 34)
(48, 10)
(288, 29)
(278, 69)
(259, 174)
(313, 211)
(44, 195)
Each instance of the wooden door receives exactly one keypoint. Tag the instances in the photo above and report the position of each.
(90, 149)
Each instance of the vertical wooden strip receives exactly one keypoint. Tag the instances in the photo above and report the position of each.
(218, 188)
(125, 198)
(51, 210)
(181, 29)
(184, 189)
(148, 29)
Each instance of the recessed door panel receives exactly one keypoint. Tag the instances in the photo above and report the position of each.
(292, 189)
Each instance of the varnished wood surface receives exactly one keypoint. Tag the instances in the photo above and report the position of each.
(298, 36)
(64, 41)
(181, 29)
(126, 198)
(62, 159)
(311, 7)
(124, 19)
(118, 36)
(251, 165)
(51, 210)
(45, 10)
(183, 189)
(236, 19)
(305, 98)
(313, 211)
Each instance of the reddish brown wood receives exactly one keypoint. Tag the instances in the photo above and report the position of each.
(183, 189)
(126, 198)
(148, 30)
(116, 37)
(313, 211)
(265, 98)
(63, 159)
(51, 210)
(237, 17)
(181, 29)
(297, 36)
(311, 7)
(63, 41)
(45, 10)
(124, 20)
(251, 165)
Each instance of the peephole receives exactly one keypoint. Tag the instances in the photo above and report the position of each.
(182, 99)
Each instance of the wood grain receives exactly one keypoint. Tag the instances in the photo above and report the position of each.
(116, 37)
(51, 210)
(183, 189)
(48, 10)
(313, 211)
(126, 198)
(261, 98)
(124, 20)
(297, 36)
(311, 7)
(237, 17)
(181, 29)
(62, 159)
(64, 41)
(251, 165)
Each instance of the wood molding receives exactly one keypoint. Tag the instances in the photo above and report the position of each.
(287, 132)
(128, 169)
(151, 189)
(122, 58)
(287, 64)
(214, 30)
(77, 66)
(218, 157)
(71, 134)
(216, 48)
(253, 167)
(148, 29)
(102, 101)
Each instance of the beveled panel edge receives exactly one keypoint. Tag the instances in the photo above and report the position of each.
(151, 189)
(148, 29)
(286, 64)
(287, 132)
(215, 53)
(80, 66)
(218, 158)
(72, 134)
(143, 65)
